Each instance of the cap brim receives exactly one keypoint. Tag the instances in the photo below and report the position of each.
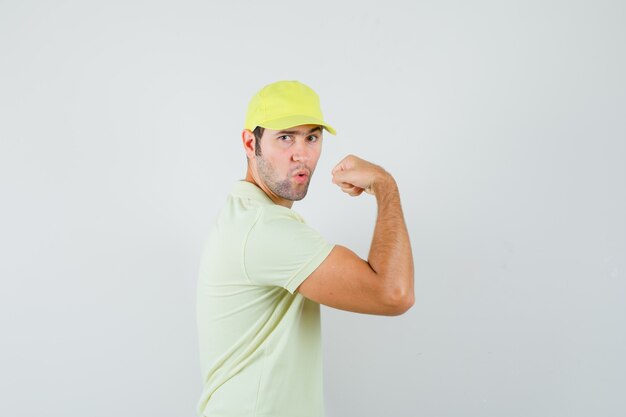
(297, 120)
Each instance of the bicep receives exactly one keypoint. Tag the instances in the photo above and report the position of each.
(347, 282)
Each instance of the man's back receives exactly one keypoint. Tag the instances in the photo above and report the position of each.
(260, 342)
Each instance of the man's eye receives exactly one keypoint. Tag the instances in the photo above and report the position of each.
(313, 138)
(284, 137)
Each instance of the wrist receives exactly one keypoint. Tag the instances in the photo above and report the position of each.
(383, 184)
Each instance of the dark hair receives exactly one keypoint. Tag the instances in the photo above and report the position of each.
(258, 133)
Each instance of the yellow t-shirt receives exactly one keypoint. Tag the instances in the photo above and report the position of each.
(260, 342)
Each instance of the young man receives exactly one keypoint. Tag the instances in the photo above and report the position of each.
(264, 272)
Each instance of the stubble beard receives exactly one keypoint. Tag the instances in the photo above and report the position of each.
(283, 188)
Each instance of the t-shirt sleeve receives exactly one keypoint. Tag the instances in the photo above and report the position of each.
(281, 250)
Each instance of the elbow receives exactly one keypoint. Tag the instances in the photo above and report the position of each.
(401, 301)
(405, 304)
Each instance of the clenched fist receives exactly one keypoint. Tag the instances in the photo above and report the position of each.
(355, 175)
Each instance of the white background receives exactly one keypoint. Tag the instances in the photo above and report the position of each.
(503, 123)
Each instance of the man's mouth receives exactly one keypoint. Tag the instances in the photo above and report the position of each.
(301, 176)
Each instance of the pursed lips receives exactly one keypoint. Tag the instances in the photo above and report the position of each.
(301, 175)
(301, 172)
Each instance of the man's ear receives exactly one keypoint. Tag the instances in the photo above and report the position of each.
(249, 143)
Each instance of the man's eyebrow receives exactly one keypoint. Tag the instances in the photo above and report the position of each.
(291, 132)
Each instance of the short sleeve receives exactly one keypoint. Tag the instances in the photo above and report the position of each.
(281, 250)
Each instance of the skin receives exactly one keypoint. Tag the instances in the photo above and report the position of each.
(383, 284)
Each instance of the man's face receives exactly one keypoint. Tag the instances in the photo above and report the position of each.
(288, 158)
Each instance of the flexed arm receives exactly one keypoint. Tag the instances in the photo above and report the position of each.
(382, 285)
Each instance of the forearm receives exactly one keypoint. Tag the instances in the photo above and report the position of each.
(390, 254)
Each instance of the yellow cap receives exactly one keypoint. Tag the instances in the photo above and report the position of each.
(285, 104)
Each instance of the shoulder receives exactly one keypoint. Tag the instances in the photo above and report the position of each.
(277, 215)
(278, 225)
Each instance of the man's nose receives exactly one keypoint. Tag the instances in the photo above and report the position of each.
(301, 153)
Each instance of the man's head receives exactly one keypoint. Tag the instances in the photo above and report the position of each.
(283, 139)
